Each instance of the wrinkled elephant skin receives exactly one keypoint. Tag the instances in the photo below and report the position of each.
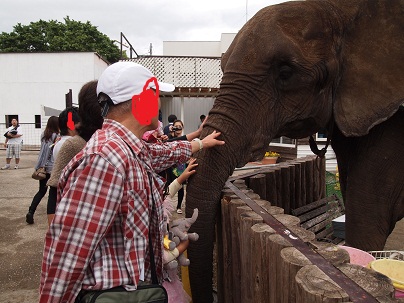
(296, 68)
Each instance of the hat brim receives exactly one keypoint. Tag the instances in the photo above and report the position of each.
(165, 87)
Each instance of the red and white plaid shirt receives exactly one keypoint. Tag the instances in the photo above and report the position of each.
(99, 236)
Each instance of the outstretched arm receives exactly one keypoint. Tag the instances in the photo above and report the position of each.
(208, 141)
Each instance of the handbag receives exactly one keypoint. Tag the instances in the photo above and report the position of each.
(145, 293)
(39, 174)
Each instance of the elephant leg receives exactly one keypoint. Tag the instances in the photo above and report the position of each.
(372, 184)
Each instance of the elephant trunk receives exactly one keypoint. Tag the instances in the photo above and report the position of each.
(214, 167)
(241, 116)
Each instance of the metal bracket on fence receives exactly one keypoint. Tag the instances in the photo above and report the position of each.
(354, 291)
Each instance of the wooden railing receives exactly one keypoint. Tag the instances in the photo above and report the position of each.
(256, 263)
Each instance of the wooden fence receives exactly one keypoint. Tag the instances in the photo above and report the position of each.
(291, 184)
(257, 264)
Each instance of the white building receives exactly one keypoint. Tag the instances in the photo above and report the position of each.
(198, 48)
(33, 86)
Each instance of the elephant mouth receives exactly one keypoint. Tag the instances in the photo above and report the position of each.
(299, 129)
(256, 152)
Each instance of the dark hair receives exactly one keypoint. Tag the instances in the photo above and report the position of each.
(63, 118)
(177, 120)
(174, 129)
(89, 111)
(172, 118)
(52, 127)
(202, 117)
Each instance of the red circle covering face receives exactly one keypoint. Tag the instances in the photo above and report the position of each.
(145, 105)
(70, 122)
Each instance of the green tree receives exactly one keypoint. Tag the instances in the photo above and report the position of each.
(55, 36)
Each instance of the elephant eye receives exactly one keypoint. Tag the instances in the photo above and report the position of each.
(285, 72)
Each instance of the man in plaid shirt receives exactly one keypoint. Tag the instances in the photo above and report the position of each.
(109, 194)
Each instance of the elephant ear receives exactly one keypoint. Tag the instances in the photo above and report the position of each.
(371, 87)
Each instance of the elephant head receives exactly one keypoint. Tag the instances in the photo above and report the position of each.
(293, 69)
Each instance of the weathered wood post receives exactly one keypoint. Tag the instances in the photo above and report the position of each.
(313, 285)
(248, 219)
(303, 198)
(270, 178)
(276, 243)
(258, 184)
(260, 235)
(292, 260)
(309, 181)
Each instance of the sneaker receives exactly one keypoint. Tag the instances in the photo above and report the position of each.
(29, 218)
(16, 167)
(179, 211)
(6, 167)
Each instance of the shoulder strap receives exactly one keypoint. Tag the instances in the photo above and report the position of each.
(152, 262)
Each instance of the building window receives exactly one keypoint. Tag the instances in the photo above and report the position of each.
(283, 141)
(37, 121)
(321, 136)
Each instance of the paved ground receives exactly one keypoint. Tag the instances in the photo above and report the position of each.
(21, 244)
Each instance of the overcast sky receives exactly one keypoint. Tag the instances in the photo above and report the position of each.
(141, 21)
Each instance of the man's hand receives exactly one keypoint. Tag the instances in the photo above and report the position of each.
(208, 141)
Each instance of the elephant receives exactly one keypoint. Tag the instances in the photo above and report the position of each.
(296, 68)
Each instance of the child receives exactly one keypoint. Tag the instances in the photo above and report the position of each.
(172, 283)
(178, 169)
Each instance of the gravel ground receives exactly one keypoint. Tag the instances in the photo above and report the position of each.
(21, 245)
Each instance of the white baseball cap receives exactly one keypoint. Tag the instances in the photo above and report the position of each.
(122, 80)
